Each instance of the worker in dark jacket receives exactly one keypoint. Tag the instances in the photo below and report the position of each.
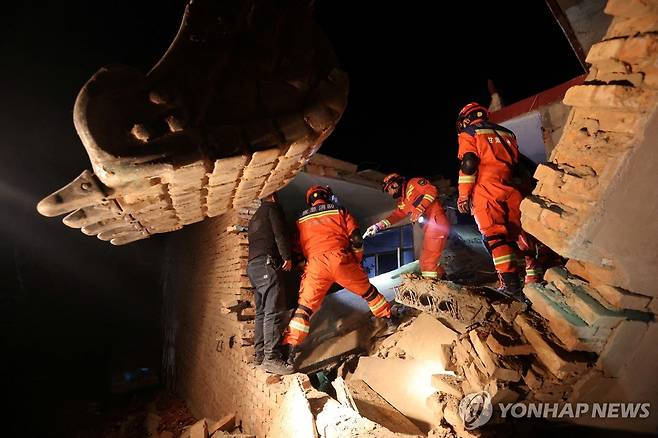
(269, 255)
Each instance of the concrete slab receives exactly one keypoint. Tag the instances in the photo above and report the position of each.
(294, 417)
(374, 407)
(423, 338)
(404, 383)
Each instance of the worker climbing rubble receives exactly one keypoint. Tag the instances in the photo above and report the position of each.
(418, 198)
(331, 242)
(489, 154)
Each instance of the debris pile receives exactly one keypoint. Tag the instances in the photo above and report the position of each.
(307, 412)
(206, 428)
(553, 352)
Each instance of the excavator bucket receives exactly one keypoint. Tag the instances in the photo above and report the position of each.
(244, 96)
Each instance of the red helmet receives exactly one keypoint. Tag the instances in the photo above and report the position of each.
(394, 181)
(470, 113)
(318, 192)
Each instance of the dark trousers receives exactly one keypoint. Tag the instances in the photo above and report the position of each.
(271, 306)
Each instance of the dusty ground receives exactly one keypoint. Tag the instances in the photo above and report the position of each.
(128, 416)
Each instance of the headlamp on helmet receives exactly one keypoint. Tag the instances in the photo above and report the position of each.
(315, 193)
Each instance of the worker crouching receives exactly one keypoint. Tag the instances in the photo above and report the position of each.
(333, 247)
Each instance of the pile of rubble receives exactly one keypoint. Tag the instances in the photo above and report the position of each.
(549, 353)
(206, 428)
(308, 412)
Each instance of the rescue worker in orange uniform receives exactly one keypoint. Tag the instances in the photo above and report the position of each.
(417, 198)
(333, 247)
(489, 153)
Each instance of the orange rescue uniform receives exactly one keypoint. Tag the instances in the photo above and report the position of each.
(324, 235)
(494, 200)
(419, 197)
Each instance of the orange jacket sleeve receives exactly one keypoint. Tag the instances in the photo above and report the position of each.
(423, 195)
(396, 216)
(466, 182)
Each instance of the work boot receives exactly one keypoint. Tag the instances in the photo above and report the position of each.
(290, 354)
(392, 325)
(258, 359)
(511, 286)
(276, 365)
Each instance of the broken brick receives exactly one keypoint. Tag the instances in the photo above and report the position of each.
(583, 304)
(592, 273)
(573, 332)
(612, 96)
(509, 311)
(621, 298)
(436, 404)
(199, 429)
(447, 384)
(493, 367)
(630, 8)
(498, 345)
(551, 356)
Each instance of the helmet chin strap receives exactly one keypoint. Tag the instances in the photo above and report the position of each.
(398, 189)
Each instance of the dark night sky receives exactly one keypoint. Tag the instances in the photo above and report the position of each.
(74, 307)
(412, 69)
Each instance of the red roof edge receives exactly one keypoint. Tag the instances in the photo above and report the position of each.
(533, 102)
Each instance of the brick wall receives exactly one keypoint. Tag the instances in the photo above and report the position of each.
(212, 325)
(607, 124)
(591, 206)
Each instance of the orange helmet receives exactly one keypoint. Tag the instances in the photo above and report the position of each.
(394, 181)
(318, 192)
(471, 112)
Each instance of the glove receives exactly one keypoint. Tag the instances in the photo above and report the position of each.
(464, 205)
(415, 216)
(371, 231)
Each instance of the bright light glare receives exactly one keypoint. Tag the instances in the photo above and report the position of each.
(422, 377)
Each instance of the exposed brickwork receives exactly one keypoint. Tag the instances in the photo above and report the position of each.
(609, 124)
(610, 113)
(206, 129)
(214, 325)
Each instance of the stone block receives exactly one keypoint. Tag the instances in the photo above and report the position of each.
(631, 8)
(610, 96)
(584, 305)
(508, 311)
(573, 332)
(621, 298)
(626, 122)
(501, 394)
(199, 429)
(590, 272)
(530, 210)
(493, 367)
(436, 404)
(497, 344)
(447, 384)
(556, 361)
(374, 407)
